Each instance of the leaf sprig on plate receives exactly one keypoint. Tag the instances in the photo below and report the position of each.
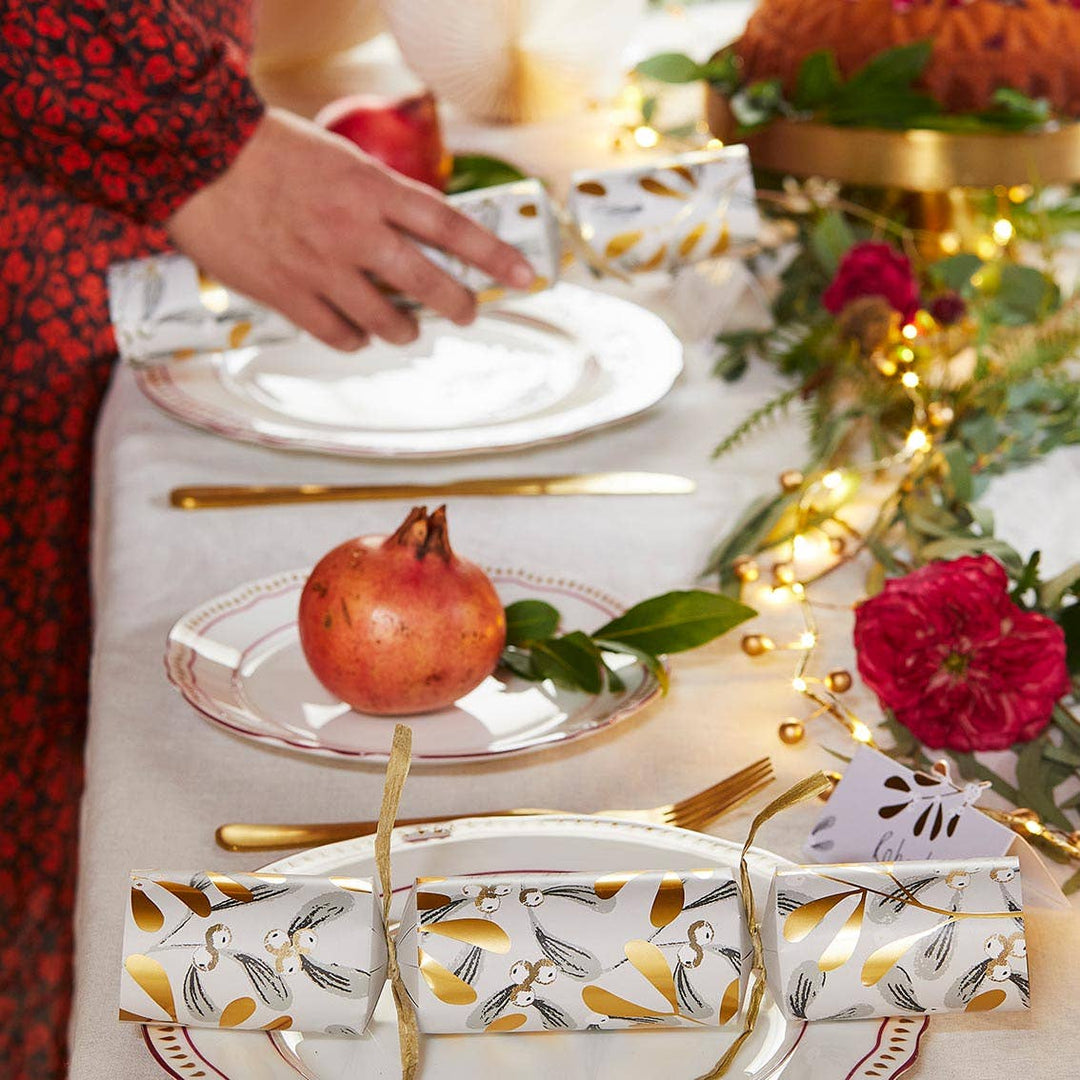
(670, 623)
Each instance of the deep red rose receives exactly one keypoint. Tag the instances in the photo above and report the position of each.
(871, 269)
(957, 662)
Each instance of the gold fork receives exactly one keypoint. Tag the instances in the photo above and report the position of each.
(694, 812)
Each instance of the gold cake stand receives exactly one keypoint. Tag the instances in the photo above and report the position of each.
(939, 172)
(915, 160)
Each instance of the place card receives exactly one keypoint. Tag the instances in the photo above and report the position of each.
(882, 811)
(256, 951)
(547, 952)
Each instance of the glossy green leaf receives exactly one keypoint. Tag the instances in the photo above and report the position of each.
(755, 105)
(896, 67)
(572, 661)
(530, 620)
(654, 664)
(671, 67)
(519, 662)
(472, 171)
(675, 621)
(817, 81)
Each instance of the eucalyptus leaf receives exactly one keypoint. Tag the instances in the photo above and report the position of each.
(1072, 884)
(1069, 620)
(675, 621)
(955, 546)
(830, 238)
(960, 478)
(1031, 781)
(1052, 592)
(1025, 292)
(530, 620)
(956, 271)
(571, 661)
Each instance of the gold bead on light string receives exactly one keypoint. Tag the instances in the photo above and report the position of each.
(791, 480)
(783, 575)
(940, 415)
(757, 644)
(839, 682)
(837, 545)
(792, 731)
(745, 569)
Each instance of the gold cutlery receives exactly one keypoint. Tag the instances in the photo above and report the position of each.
(694, 812)
(602, 483)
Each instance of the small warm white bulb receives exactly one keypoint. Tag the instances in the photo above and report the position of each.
(646, 137)
(917, 440)
(799, 685)
(860, 732)
(807, 639)
(832, 480)
(1003, 231)
(910, 379)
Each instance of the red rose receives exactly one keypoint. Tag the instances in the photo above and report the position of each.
(957, 662)
(871, 269)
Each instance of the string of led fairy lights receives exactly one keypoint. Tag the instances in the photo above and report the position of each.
(820, 500)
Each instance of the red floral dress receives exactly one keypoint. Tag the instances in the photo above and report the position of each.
(112, 112)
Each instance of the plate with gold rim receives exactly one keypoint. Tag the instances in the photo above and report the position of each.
(237, 660)
(778, 1048)
(529, 370)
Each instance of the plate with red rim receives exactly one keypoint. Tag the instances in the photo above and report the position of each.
(778, 1048)
(528, 371)
(237, 660)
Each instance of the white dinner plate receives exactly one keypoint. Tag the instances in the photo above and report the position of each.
(237, 659)
(842, 1050)
(530, 370)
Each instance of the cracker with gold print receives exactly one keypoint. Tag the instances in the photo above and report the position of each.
(573, 951)
(659, 215)
(849, 941)
(255, 951)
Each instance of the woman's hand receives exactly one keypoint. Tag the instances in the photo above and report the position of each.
(302, 216)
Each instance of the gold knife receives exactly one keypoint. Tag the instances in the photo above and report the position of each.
(602, 483)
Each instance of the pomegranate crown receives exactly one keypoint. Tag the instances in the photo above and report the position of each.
(425, 533)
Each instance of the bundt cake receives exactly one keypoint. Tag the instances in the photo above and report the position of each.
(979, 46)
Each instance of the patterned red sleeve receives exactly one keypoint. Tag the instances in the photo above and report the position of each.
(131, 104)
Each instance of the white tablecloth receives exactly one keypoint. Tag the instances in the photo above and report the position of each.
(160, 779)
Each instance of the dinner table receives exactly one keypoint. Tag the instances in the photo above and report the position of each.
(160, 779)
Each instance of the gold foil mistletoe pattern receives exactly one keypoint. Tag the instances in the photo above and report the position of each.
(662, 215)
(896, 939)
(252, 951)
(574, 952)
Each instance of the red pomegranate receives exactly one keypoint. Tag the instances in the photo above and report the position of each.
(403, 133)
(400, 624)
